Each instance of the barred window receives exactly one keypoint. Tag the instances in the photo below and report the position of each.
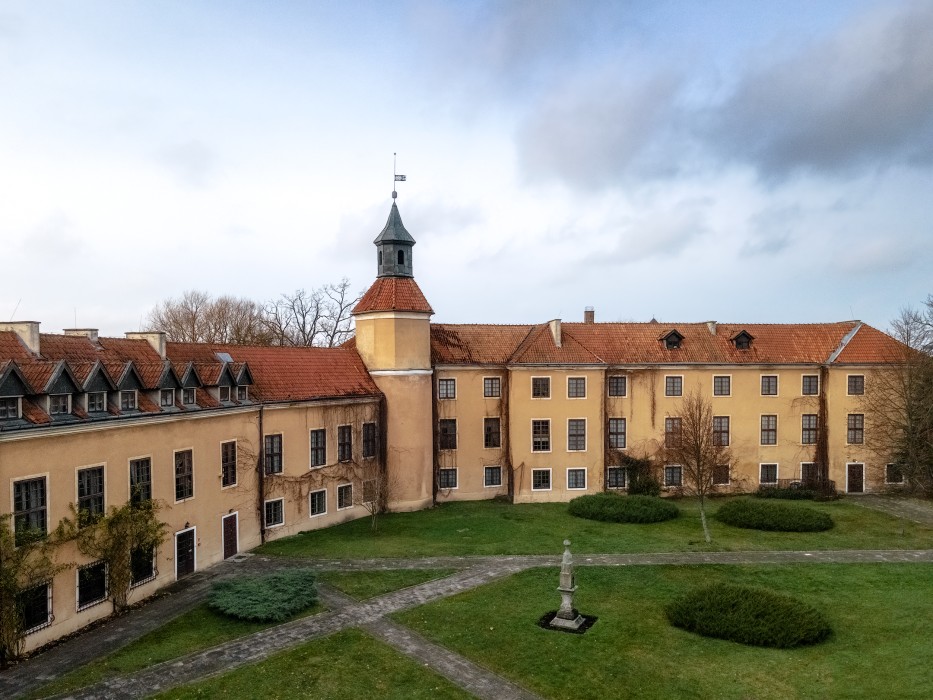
(722, 385)
(140, 480)
(36, 604)
(768, 474)
(447, 433)
(447, 478)
(541, 435)
(808, 429)
(274, 454)
(769, 385)
(617, 433)
(369, 440)
(90, 495)
(576, 435)
(228, 463)
(856, 384)
(492, 476)
(576, 387)
(673, 386)
(491, 433)
(769, 430)
(541, 479)
(856, 429)
(492, 387)
(318, 447)
(576, 479)
(617, 478)
(618, 385)
(142, 565)
(344, 443)
(540, 387)
(184, 475)
(673, 432)
(721, 431)
(811, 385)
(446, 388)
(92, 584)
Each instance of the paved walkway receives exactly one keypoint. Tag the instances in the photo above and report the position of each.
(913, 509)
(345, 613)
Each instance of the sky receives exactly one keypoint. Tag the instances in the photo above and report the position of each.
(686, 161)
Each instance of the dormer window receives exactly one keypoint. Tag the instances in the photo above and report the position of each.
(59, 404)
(672, 340)
(9, 408)
(128, 400)
(97, 402)
(742, 340)
(242, 393)
(188, 397)
(224, 393)
(167, 398)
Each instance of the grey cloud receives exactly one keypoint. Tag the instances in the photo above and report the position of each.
(771, 231)
(192, 163)
(863, 95)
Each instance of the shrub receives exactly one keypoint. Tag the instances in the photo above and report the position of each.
(749, 616)
(270, 598)
(615, 508)
(778, 517)
(641, 480)
(798, 494)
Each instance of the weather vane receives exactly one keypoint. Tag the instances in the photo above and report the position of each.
(397, 177)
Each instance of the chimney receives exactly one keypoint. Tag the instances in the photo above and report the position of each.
(589, 315)
(555, 330)
(712, 327)
(155, 338)
(28, 332)
(89, 333)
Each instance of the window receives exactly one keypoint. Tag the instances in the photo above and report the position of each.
(97, 402)
(808, 473)
(492, 476)
(743, 341)
(447, 433)
(768, 474)
(167, 397)
(318, 447)
(228, 463)
(856, 384)
(188, 397)
(492, 436)
(224, 393)
(9, 407)
(447, 478)
(769, 430)
(672, 340)
(128, 400)
(36, 606)
(576, 435)
(90, 495)
(673, 431)
(673, 475)
(808, 429)
(769, 385)
(184, 475)
(275, 512)
(273, 456)
(617, 433)
(29, 509)
(540, 479)
(344, 496)
(242, 393)
(893, 474)
(541, 435)
(673, 386)
(140, 480)
(59, 404)
(344, 443)
(811, 385)
(576, 387)
(446, 388)
(856, 429)
(540, 387)
(721, 431)
(576, 479)
(401, 257)
(142, 565)
(492, 387)
(722, 385)
(618, 478)
(369, 440)
(618, 385)
(721, 475)
(92, 584)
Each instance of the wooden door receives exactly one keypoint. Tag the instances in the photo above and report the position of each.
(855, 478)
(230, 535)
(184, 553)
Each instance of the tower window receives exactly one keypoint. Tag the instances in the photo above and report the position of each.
(401, 257)
(380, 258)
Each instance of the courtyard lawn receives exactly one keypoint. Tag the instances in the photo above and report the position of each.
(198, 629)
(364, 585)
(880, 647)
(491, 527)
(347, 665)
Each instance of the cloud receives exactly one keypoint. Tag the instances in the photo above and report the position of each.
(861, 97)
(54, 236)
(771, 231)
(192, 162)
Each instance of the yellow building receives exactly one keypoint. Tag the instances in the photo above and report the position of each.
(246, 444)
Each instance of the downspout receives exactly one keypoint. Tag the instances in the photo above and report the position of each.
(605, 429)
(261, 468)
(504, 412)
(435, 442)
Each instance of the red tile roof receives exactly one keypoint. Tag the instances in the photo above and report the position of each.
(393, 294)
(12, 348)
(869, 345)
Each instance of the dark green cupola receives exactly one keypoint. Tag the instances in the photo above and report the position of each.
(394, 246)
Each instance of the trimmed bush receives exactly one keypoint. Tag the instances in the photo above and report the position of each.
(798, 494)
(777, 517)
(270, 598)
(615, 508)
(749, 616)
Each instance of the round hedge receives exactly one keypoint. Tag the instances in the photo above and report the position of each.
(615, 508)
(778, 517)
(269, 598)
(749, 616)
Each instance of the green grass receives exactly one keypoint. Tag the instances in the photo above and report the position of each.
(364, 585)
(200, 628)
(880, 647)
(490, 527)
(347, 665)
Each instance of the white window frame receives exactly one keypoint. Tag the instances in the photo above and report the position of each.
(456, 472)
(777, 427)
(818, 387)
(497, 379)
(343, 487)
(585, 479)
(674, 376)
(848, 378)
(220, 394)
(623, 470)
(133, 392)
(67, 410)
(175, 476)
(87, 401)
(777, 386)
(19, 407)
(264, 521)
(162, 403)
(531, 388)
(194, 396)
(777, 473)
(311, 501)
(550, 481)
(492, 466)
(718, 376)
(448, 381)
(624, 394)
(585, 434)
(576, 378)
(550, 438)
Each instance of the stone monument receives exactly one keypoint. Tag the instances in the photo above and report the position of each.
(567, 618)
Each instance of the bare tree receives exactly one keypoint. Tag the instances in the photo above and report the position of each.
(295, 319)
(338, 323)
(898, 401)
(699, 449)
